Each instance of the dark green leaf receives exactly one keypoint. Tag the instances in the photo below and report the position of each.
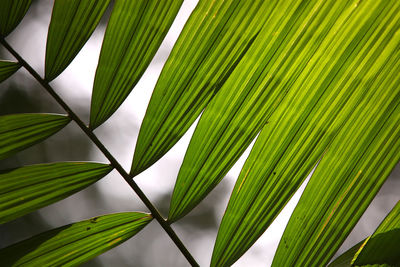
(72, 23)
(11, 13)
(345, 259)
(28, 188)
(350, 174)
(76, 243)
(380, 249)
(308, 119)
(383, 247)
(19, 131)
(214, 40)
(7, 68)
(134, 33)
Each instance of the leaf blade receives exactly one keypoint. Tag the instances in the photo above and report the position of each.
(356, 165)
(71, 25)
(7, 68)
(301, 130)
(11, 14)
(212, 43)
(25, 189)
(75, 243)
(133, 35)
(249, 97)
(19, 131)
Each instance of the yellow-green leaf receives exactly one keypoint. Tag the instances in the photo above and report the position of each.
(281, 59)
(7, 68)
(28, 188)
(11, 13)
(308, 119)
(349, 175)
(133, 35)
(214, 40)
(19, 131)
(72, 23)
(74, 244)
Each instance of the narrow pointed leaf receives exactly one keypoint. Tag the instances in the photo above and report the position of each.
(25, 189)
(11, 14)
(19, 131)
(307, 121)
(74, 244)
(280, 60)
(383, 246)
(134, 33)
(347, 178)
(72, 23)
(7, 68)
(214, 40)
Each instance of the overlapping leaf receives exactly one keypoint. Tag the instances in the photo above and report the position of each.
(134, 33)
(28, 188)
(355, 58)
(71, 25)
(76, 243)
(278, 58)
(11, 13)
(345, 259)
(214, 40)
(7, 68)
(349, 175)
(382, 248)
(19, 131)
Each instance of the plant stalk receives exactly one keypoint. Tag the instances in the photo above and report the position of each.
(156, 214)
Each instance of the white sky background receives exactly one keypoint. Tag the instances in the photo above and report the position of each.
(119, 134)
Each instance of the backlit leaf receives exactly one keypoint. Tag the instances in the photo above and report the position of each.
(72, 23)
(349, 175)
(308, 119)
(134, 33)
(285, 55)
(7, 68)
(74, 244)
(11, 13)
(28, 188)
(214, 40)
(19, 131)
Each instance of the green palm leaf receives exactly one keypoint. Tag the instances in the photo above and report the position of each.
(11, 13)
(134, 33)
(28, 188)
(76, 243)
(72, 23)
(19, 131)
(278, 62)
(7, 68)
(307, 121)
(348, 177)
(214, 40)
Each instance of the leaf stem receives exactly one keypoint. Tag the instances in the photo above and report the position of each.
(156, 214)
